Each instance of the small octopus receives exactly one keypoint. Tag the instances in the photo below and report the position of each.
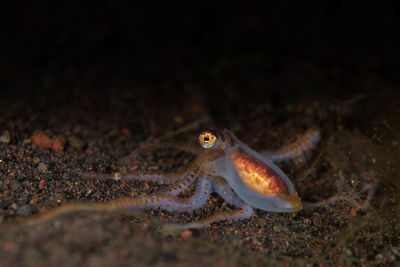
(226, 166)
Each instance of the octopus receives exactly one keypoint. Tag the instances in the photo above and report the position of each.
(244, 178)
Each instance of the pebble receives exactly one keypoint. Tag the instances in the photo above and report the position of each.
(2, 213)
(167, 230)
(348, 252)
(186, 234)
(25, 211)
(153, 168)
(5, 137)
(36, 160)
(88, 193)
(13, 206)
(42, 167)
(276, 229)
(262, 222)
(75, 142)
(56, 143)
(15, 186)
(27, 141)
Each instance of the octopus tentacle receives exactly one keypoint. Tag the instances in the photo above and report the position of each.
(296, 150)
(165, 201)
(199, 170)
(161, 178)
(191, 148)
(183, 184)
(353, 200)
(158, 177)
(162, 200)
(223, 189)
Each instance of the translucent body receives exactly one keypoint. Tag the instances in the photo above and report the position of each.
(227, 167)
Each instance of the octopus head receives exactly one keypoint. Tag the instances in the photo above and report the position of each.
(217, 139)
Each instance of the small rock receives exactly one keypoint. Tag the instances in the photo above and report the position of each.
(25, 211)
(56, 143)
(42, 167)
(15, 186)
(36, 160)
(262, 222)
(26, 183)
(353, 212)
(167, 230)
(2, 214)
(186, 234)
(113, 132)
(277, 229)
(75, 142)
(153, 168)
(88, 193)
(13, 206)
(27, 141)
(126, 132)
(348, 252)
(5, 137)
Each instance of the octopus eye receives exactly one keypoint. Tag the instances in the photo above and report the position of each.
(207, 139)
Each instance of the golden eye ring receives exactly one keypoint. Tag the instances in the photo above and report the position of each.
(207, 139)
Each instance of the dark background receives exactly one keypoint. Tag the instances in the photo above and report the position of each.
(95, 46)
